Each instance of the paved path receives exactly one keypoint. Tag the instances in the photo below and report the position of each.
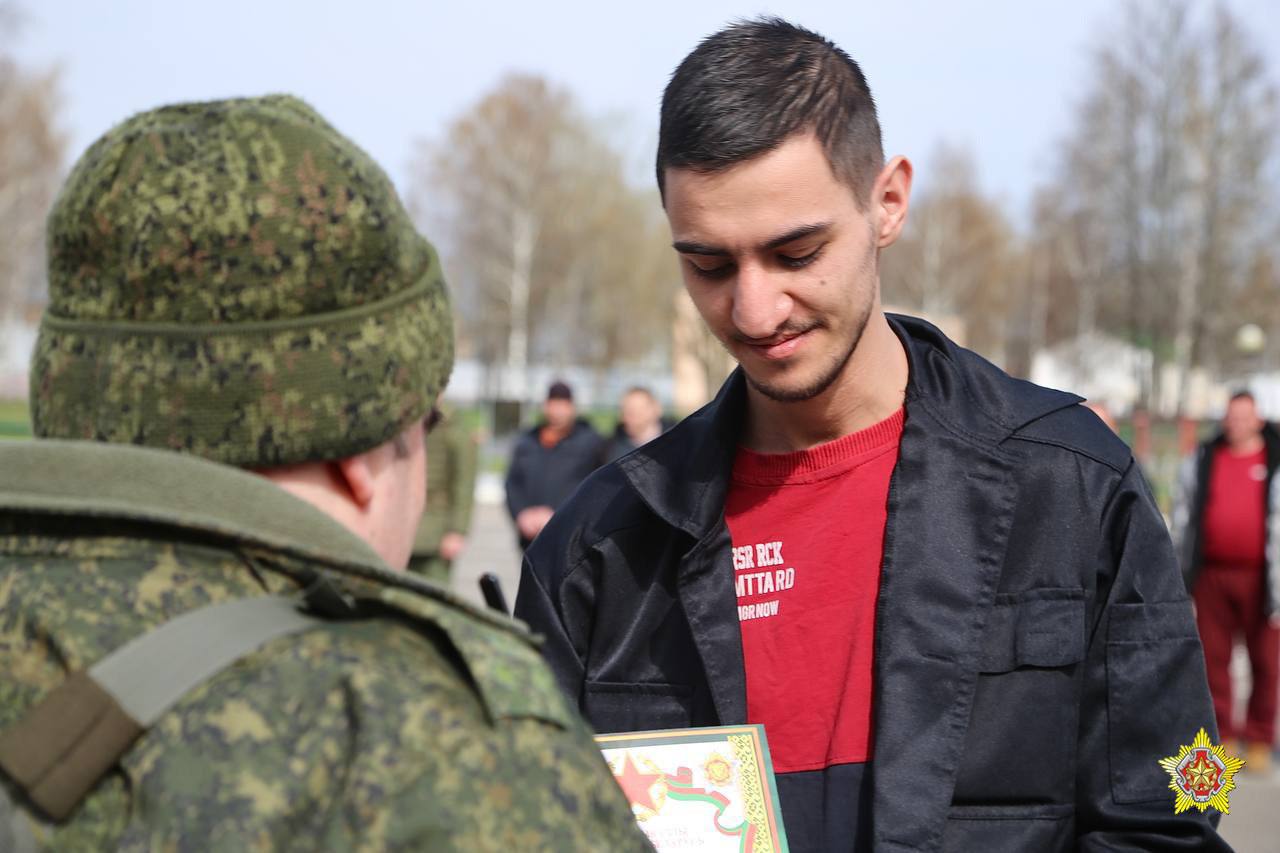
(1252, 827)
(491, 548)
(1254, 823)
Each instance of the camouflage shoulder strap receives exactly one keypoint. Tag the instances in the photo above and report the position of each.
(64, 744)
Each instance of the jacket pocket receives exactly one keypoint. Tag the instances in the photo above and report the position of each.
(1037, 628)
(614, 706)
(1156, 694)
(1026, 700)
(1015, 829)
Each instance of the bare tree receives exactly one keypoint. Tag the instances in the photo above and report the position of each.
(958, 254)
(1164, 181)
(553, 256)
(31, 150)
(1230, 130)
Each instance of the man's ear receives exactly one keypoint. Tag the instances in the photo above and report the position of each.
(890, 198)
(357, 473)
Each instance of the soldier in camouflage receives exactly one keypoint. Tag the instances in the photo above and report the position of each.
(236, 290)
(451, 486)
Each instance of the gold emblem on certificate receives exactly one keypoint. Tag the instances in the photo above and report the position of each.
(700, 789)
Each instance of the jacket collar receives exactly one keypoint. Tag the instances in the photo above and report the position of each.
(969, 392)
(127, 483)
(1270, 442)
(156, 486)
(580, 426)
(683, 475)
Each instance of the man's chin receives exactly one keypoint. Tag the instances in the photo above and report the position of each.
(790, 388)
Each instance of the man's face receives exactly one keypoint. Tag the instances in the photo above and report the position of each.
(639, 413)
(1241, 424)
(560, 413)
(781, 263)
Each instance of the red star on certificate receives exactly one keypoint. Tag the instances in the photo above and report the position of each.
(636, 785)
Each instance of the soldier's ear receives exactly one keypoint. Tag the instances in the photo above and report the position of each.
(358, 476)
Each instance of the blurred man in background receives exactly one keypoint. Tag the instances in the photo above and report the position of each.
(640, 421)
(236, 291)
(1226, 524)
(548, 463)
(452, 452)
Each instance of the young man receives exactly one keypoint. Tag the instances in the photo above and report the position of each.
(946, 593)
(248, 329)
(1226, 523)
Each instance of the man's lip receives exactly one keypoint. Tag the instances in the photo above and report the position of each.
(780, 348)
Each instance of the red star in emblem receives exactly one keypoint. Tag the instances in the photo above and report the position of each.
(637, 785)
(1202, 774)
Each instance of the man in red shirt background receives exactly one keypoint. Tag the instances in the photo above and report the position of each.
(1227, 527)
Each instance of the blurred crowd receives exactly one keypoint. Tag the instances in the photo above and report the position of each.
(548, 461)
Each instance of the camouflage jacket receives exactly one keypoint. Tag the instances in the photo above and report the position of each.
(429, 726)
(451, 484)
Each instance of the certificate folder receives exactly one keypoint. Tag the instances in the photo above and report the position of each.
(709, 789)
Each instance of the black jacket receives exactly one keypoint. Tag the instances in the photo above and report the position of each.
(1035, 649)
(1192, 496)
(546, 476)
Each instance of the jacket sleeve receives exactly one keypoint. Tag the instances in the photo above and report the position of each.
(1184, 494)
(539, 603)
(1144, 692)
(518, 497)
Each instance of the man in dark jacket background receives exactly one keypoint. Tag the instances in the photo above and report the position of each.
(548, 463)
(1226, 524)
(946, 593)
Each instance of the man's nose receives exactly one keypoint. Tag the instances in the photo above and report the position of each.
(760, 303)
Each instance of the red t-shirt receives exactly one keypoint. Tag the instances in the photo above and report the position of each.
(808, 536)
(1235, 525)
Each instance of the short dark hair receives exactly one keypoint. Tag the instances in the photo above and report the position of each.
(1243, 394)
(746, 89)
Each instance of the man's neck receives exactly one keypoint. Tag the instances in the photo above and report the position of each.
(551, 435)
(1248, 447)
(870, 388)
(645, 434)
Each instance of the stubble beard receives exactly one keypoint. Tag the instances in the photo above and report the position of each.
(831, 372)
(869, 271)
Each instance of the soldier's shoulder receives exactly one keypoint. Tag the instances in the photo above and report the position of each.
(500, 656)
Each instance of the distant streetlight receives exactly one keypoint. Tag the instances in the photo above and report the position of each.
(1250, 339)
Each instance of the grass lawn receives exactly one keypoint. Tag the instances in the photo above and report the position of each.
(14, 422)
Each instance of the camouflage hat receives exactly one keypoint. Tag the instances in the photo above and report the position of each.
(237, 280)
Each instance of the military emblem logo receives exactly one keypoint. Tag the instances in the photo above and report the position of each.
(1203, 775)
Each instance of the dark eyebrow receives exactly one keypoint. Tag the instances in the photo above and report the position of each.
(686, 247)
(797, 233)
(689, 247)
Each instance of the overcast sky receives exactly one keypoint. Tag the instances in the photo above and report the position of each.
(1000, 77)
